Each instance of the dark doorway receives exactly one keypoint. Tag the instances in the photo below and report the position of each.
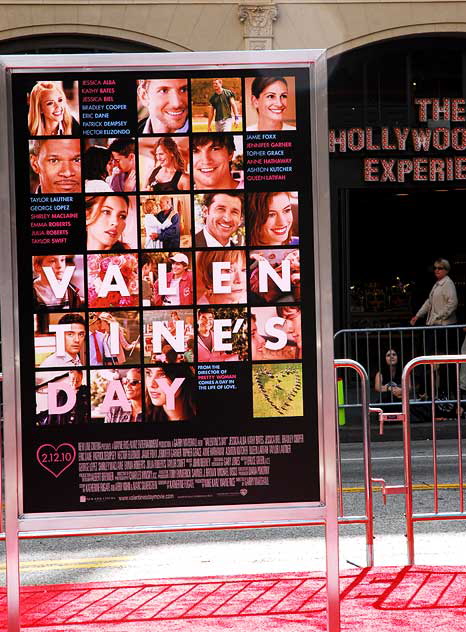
(394, 237)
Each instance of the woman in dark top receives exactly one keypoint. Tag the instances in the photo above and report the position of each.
(169, 173)
(388, 379)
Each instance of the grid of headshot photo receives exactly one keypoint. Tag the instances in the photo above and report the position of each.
(150, 255)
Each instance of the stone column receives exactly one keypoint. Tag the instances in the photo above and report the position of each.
(257, 20)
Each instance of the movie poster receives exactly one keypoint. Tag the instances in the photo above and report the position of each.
(166, 288)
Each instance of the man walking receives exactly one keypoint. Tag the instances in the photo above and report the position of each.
(223, 107)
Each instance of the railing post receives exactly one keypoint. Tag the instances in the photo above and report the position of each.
(351, 364)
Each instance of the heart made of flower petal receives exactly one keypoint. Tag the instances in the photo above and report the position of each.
(56, 459)
(269, 386)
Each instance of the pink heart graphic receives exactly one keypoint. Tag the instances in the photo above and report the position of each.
(56, 459)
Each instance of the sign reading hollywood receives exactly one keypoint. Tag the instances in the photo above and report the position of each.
(422, 144)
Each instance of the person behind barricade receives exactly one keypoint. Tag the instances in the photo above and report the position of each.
(440, 309)
(387, 384)
(440, 306)
(463, 376)
(388, 379)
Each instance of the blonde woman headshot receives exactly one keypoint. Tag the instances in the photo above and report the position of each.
(49, 112)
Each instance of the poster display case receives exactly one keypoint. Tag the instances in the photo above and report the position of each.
(168, 304)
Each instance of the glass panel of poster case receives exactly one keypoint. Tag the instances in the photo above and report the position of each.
(166, 287)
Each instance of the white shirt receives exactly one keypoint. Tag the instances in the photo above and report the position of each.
(212, 242)
(441, 305)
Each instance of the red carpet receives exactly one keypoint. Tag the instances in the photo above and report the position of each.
(415, 599)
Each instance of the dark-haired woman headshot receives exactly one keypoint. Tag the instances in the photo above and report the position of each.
(270, 218)
(170, 393)
(105, 222)
(269, 97)
(96, 162)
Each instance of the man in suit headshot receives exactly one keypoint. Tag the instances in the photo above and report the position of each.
(223, 215)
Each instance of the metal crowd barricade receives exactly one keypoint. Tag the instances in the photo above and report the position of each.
(435, 363)
(369, 346)
(368, 518)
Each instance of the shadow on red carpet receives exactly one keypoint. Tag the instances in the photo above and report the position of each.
(416, 599)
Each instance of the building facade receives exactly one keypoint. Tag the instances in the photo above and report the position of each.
(188, 25)
(383, 58)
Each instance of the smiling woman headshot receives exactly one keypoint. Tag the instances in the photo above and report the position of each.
(270, 97)
(271, 217)
(49, 112)
(106, 219)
